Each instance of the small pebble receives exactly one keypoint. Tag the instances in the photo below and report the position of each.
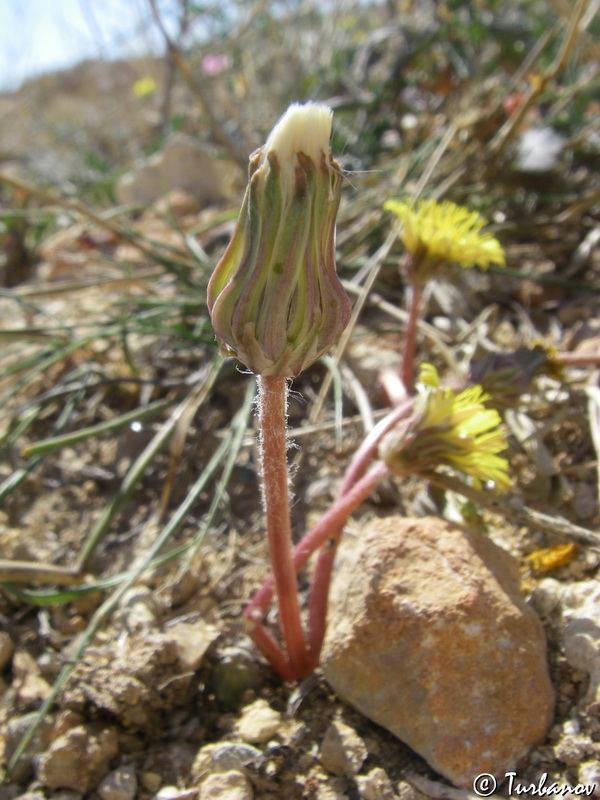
(15, 730)
(174, 793)
(120, 784)
(138, 609)
(546, 596)
(376, 786)
(330, 791)
(79, 759)
(230, 785)
(222, 757)
(342, 750)
(259, 722)
(571, 726)
(572, 749)
(192, 640)
(151, 781)
(589, 773)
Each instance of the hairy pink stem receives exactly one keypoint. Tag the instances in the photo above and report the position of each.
(272, 403)
(368, 448)
(393, 386)
(324, 530)
(358, 466)
(273, 652)
(319, 596)
(578, 359)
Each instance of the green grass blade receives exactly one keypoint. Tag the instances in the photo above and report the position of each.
(111, 602)
(108, 426)
(142, 463)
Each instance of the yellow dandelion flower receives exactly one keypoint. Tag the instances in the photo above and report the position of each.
(437, 234)
(144, 86)
(449, 428)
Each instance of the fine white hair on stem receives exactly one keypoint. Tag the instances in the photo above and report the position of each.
(290, 444)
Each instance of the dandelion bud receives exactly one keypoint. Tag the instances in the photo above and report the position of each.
(274, 298)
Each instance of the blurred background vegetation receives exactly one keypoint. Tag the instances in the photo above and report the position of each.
(106, 350)
(491, 104)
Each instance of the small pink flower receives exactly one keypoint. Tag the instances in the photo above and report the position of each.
(214, 63)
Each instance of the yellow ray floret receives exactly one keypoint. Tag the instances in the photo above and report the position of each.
(450, 428)
(437, 234)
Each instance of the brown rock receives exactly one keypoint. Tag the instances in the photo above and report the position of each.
(120, 784)
(192, 640)
(16, 728)
(31, 687)
(135, 680)
(183, 164)
(430, 638)
(79, 759)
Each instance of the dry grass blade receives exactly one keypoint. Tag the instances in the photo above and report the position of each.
(512, 125)
(29, 572)
(155, 251)
(141, 464)
(219, 133)
(593, 393)
(185, 418)
(514, 509)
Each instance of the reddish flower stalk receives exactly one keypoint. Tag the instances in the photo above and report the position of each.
(272, 401)
(328, 528)
(326, 534)
(578, 359)
(277, 304)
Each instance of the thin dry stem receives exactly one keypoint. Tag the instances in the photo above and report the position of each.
(218, 131)
(513, 508)
(410, 339)
(34, 572)
(513, 124)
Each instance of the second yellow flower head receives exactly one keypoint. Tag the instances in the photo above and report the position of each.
(438, 234)
(449, 428)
